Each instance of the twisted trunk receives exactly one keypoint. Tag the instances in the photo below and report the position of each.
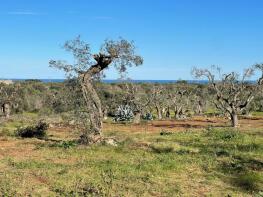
(177, 112)
(93, 134)
(93, 105)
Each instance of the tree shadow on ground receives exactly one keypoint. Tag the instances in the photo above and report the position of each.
(243, 173)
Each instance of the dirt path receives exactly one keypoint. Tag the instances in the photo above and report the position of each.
(180, 125)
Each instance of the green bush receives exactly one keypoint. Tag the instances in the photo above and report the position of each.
(65, 144)
(249, 181)
(225, 134)
(161, 148)
(148, 117)
(5, 132)
(37, 131)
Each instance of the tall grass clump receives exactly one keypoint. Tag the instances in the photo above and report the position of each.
(250, 181)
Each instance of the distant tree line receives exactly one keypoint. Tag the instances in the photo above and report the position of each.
(84, 98)
(163, 101)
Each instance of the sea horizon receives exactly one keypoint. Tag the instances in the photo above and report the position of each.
(161, 81)
(111, 81)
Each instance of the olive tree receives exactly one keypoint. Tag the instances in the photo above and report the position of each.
(136, 98)
(199, 99)
(157, 98)
(258, 102)
(233, 93)
(259, 67)
(179, 102)
(8, 98)
(88, 67)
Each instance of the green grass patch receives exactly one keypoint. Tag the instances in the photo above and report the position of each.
(212, 162)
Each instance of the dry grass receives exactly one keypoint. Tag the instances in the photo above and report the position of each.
(200, 158)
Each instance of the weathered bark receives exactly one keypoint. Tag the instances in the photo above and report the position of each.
(121, 53)
(168, 114)
(234, 119)
(199, 108)
(92, 100)
(93, 105)
(105, 114)
(6, 109)
(137, 118)
(159, 113)
(177, 112)
(163, 111)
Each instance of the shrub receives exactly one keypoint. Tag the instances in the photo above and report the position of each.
(249, 181)
(5, 132)
(163, 132)
(65, 144)
(123, 113)
(148, 116)
(183, 151)
(225, 134)
(162, 149)
(37, 131)
(80, 189)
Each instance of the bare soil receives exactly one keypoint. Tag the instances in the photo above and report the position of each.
(197, 122)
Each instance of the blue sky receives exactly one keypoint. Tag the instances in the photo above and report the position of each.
(171, 35)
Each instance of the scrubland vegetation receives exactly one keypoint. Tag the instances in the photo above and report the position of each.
(191, 153)
(84, 137)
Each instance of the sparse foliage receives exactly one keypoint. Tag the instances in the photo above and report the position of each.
(89, 67)
(233, 93)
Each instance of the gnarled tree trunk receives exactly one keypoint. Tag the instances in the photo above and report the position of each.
(159, 112)
(92, 100)
(199, 110)
(105, 114)
(234, 119)
(137, 117)
(177, 112)
(6, 110)
(168, 114)
(120, 52)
